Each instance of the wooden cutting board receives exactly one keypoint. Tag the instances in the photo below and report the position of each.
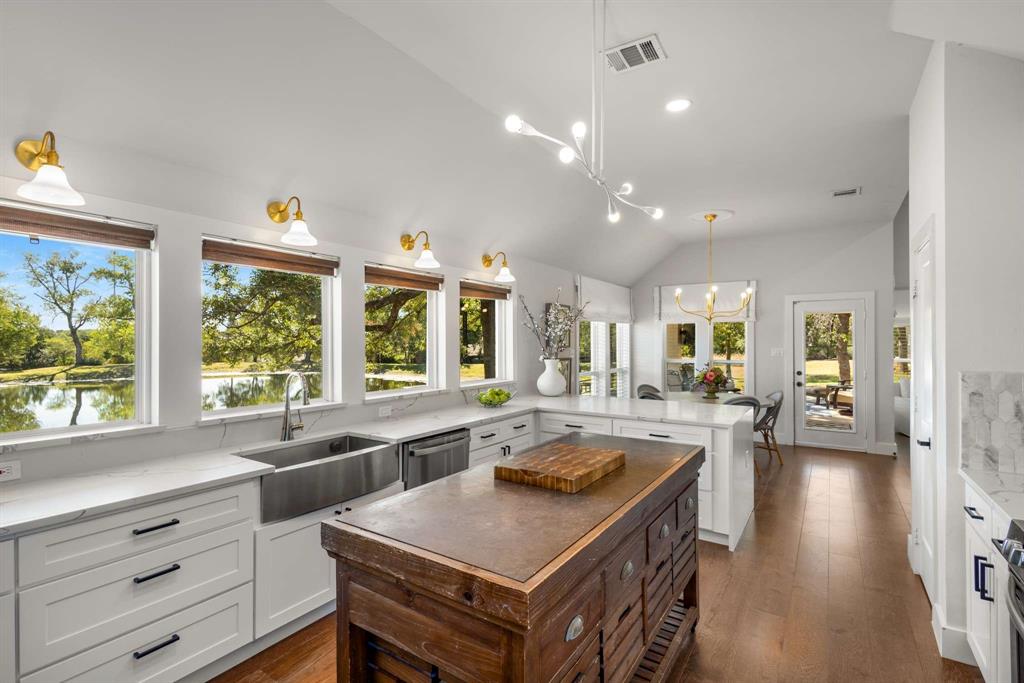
(560, 466)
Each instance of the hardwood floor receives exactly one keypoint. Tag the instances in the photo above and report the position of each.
(819, 588)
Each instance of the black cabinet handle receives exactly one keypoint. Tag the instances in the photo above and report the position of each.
(972, 512)
(139, 532)
(977, 559)
(159, 646)
(659, 436)
(574, 426)
(519, 427)
(982, 566)
(157, 574)
(488, 436)
(927, 443)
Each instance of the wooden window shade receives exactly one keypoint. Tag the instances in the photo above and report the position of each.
(482, 290)
(272, 259)
(62, 226)
(392, 277)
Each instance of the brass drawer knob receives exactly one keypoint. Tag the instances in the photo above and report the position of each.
(575, 628)
(627, 570)
(664, 531)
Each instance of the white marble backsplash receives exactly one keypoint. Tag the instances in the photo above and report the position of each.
(992, 421)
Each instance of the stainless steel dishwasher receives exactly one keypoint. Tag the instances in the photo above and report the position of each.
(434, 457)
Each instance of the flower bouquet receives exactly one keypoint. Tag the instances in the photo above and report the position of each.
(713, 380)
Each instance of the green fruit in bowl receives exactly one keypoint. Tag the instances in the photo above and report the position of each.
(494, 397)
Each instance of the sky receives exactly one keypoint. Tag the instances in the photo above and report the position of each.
(12, 264)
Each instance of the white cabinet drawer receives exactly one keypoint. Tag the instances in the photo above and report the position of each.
(978, 514)
(195, 637)
(705, 509)
(7, 669)
(564, 423)
(484, 436)
(489, 454)
(293, 572)
(72, 548)
(81, 611)
(658, 431)
(6, 566)
(519, 444)
(500, 430)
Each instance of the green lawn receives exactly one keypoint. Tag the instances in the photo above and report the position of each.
(62, 373)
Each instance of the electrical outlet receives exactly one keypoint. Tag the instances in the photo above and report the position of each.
(10, 470)
(384, 411)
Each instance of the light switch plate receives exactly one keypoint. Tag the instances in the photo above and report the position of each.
(778, 352)
(384, 411)
(10, 470)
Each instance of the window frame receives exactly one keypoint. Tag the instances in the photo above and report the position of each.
(330, 350)
(144, 363)
(601, 371)
(704, 349)
(503, 340)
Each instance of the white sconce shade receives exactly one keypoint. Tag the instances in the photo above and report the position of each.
(298, 234)
(51, 186)
(427, 260)
(504, 275)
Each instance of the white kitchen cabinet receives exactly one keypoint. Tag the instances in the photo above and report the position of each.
(687, 434)
(294, 574)
(981, 600)
(566, 423)
(485, 454)
(8, 672)
(6, 567)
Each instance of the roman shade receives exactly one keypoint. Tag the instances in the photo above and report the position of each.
(605, 302)
(692, 298)
(237, 253)
(72, 225)
(396, 277)
(483, 290)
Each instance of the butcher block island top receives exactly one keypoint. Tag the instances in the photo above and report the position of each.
(470, 578)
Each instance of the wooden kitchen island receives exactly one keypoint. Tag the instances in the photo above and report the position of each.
(471, 579)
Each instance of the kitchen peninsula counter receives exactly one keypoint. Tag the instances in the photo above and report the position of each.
(473, 579)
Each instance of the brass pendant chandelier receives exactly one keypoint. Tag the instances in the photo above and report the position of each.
(710, 297)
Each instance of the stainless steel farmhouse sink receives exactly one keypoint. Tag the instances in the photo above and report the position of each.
(316, 473)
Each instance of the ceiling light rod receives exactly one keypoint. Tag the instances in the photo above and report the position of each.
(594, 165)
(711, 296)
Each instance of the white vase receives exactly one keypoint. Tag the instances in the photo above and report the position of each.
(551, 382)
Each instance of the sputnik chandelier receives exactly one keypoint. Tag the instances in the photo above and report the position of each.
(594, 164)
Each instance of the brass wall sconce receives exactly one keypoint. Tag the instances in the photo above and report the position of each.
(50, 184)
(504, 274)
(426, 259)
(298, 233)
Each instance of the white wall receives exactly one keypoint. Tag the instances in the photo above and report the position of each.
(967, 170)
(827, 261)
(178, 343)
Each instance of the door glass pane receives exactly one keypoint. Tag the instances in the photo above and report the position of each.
(680, 341)
(730, 350)
(829, 391)
(678, 376)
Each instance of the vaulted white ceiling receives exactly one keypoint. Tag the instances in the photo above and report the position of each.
(388, 115)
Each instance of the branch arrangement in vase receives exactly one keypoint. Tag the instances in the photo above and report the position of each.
(552, 332)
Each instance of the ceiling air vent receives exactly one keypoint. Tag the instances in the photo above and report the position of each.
(635, 53)
(849, 192)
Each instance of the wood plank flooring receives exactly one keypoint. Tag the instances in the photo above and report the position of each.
(818, 589)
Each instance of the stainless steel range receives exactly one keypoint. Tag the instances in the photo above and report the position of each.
(1012, 548)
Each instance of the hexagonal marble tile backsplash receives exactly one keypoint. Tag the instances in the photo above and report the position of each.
(992, 421)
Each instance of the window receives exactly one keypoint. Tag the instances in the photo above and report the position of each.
(691, 346)
(72, 321)
(900, 352)
(483, 331)
(604, 359)
(263, 318)
(399, 313)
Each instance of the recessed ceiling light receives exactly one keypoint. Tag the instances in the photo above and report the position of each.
(678, 105)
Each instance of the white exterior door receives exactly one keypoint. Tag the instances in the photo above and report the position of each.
(831, 374)
(922, 456)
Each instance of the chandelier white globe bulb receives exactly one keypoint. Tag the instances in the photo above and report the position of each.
(566, 155)
(626, 189)
(50, 186)
(579, 130)
(614, 216)
(427, 260)
(513, 124)
(658, 213)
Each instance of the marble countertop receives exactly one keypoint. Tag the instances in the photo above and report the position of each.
(33, 504)
(420, 425)
(1004, 489)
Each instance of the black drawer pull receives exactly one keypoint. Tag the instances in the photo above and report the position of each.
(488, 436)
(139, 532)
(519, 427)
(573, 426)
(972, 512)
(157, 574)
(659, 436)
(159, 646)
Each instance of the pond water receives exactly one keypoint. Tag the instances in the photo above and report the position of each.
(62, 404)
(244, 389)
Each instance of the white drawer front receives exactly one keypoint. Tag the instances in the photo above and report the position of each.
(81, 611)
(517, 427)
(979, 507)
(485, 436)
(656, 431)
(204, 633)
(7, 638)
(705, 509)
(294, 574)
(519, 444)
(6, 566)
(72, 548)
(564, 423)
(486, 454)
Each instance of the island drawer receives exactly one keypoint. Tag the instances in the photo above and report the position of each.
(587, 668)
(657, 593)
(686, 504)
(623, 572)
(569, 626)
(623, 632)
(564, 423)
(56, 552)
(659, 535)
(166, 650)
(81, 611)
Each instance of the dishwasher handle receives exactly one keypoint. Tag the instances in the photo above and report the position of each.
(418, 452)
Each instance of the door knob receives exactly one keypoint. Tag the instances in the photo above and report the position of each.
(927, 443)
(799, 384)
